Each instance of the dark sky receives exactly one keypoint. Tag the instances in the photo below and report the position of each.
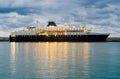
(100, 15)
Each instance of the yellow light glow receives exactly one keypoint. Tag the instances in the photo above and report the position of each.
(13, 57)
(13, 35)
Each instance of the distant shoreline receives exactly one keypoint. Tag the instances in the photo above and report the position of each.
(4, 38)
(109, 39)
(113, 39)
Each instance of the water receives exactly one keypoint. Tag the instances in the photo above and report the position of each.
(59, 60)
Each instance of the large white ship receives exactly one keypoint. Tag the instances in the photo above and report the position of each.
(51, 32)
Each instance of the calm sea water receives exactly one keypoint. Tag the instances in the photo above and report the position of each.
(59, 60)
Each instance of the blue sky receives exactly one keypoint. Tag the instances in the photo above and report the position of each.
(100, 15)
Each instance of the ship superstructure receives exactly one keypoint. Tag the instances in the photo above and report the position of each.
(52, 32)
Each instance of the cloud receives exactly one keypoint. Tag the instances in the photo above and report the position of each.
(98, 15)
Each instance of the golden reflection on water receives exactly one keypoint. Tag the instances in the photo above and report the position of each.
(86, 49)
(56, 59)
(12, 56)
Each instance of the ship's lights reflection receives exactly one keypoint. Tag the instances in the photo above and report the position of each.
(51, 59)
(12, 57)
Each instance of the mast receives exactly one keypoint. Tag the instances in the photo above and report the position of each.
(81, 25)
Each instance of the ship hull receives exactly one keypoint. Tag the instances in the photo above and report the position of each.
(59, 38)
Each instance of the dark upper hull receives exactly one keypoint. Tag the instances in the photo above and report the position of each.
(60, 38)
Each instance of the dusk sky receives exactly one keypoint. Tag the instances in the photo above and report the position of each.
(100, 15)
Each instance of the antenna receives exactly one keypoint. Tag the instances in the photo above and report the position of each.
(71, 21)
(81, 25)
(37, 23)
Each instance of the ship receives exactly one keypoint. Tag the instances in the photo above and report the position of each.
(54, 33)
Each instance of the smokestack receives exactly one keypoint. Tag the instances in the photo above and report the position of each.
(51, 23)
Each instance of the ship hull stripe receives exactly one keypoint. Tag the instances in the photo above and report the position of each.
(59, 38)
